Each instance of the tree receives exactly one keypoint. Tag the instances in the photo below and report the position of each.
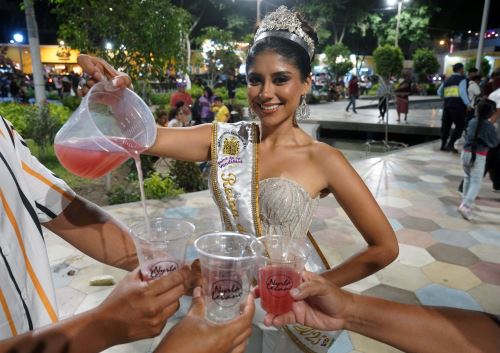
(424, 63)
(221, 57)
(388, 61)
(332, 17)
(337, 57)
(36, 62)
(485, 66)
(414, 23)
(145, 36)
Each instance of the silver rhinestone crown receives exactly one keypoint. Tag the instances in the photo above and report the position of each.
(285, 24)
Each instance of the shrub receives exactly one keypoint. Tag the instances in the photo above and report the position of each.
(23, 116)
(162, 99)
(16, 114)
(221, 92)
(158, 187)
(71, 102)
(388, 61)
(195, 91)
(53, 95)
(187, 176)
(485, 66)
(425, 63)
(119, 194)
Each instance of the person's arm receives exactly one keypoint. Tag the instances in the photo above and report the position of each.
(188, 144)
(94, 232)
(462, 87)
(440, 90)
(196, 335)
(359, 204)
(410, 328)
(133, 310)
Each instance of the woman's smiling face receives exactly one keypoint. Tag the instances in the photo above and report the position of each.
(274, 87)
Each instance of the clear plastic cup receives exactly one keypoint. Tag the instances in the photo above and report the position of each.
(280, 270)
(163, 249)
(110, 126)
(228, 267)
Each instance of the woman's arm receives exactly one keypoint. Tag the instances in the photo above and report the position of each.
(366, 215)
(184, 143)
(188, 144)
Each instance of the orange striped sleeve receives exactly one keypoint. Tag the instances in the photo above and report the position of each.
(46, 181)
(8, 315)
(39, 289)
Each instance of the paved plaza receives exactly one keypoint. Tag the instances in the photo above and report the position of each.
(444, 259)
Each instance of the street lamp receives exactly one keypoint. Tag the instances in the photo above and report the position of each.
(392, 3)
(18, 38)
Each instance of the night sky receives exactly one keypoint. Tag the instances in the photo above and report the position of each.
(455, 16)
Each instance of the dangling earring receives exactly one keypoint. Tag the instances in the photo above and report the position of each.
(303, 112)
(251, 113)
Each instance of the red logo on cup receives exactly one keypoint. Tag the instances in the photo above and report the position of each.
(226, 292)
(279, 284)
(162, 268)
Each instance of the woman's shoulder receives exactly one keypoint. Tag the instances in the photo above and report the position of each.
(324, 153)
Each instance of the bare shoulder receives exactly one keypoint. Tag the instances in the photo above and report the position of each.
(323, 153)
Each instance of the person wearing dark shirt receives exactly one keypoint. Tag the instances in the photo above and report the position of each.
(353, 90)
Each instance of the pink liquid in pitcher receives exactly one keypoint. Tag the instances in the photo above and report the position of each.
(84, 157)
(275, 283)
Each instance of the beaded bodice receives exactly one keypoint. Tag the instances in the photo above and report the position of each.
(285, 207)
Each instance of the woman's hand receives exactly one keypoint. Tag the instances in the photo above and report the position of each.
(100, 70)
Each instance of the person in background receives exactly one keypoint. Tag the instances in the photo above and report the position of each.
(384, 91)
(161, 118)
(493, 158)
(480, 137)
(353, 90)
(456, 104)
(493, 84)
(402, 97)
(205, 106)
(410, 328)
(231, 88)
(220, 110)
(177, 117)
(180, 96)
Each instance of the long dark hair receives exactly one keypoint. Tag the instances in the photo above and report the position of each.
(484, 110)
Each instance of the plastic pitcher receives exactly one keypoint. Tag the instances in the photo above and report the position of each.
(110, 126)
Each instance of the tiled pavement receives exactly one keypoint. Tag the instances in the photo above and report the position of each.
(444, 259)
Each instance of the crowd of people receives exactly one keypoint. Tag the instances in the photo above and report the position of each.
(471, 106)
(182, 111)
(294, 171)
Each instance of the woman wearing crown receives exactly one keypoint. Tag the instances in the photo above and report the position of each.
(267, 178)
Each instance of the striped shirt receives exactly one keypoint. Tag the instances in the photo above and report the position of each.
(29, 195)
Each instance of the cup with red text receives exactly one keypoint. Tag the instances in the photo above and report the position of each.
(161, 247)
(228, 266)
(280, 270)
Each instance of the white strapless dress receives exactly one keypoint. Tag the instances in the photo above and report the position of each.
(286, 208)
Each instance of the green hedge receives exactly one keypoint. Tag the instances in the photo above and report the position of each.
(19, 114)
